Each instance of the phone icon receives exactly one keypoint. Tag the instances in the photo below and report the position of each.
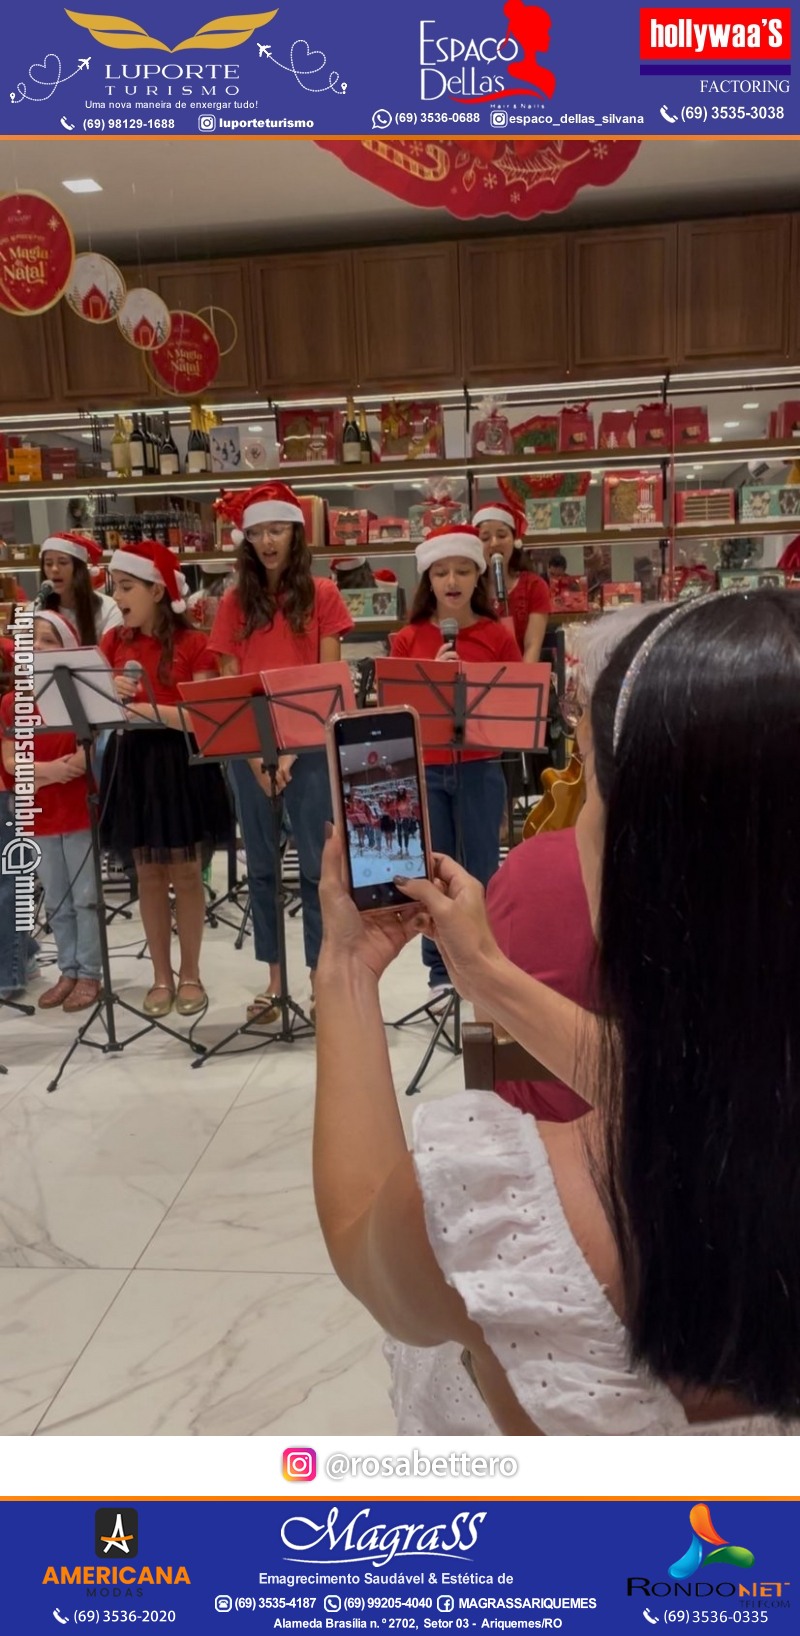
(652, 1618)
(67, 127)
(672, 119)
(57, 1614)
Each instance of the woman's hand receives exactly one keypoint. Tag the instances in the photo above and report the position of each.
(373, 940)
(456, 905)
(60, 771)
(125, 687)
(447, 651)
(284, 774)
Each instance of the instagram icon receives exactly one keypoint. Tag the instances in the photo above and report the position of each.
(299, 1465)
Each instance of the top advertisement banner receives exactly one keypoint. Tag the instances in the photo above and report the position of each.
(458, 68)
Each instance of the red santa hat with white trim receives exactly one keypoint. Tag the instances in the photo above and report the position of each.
(78, 546)
(154, 563)
(268, 503)
(500, 512)
(62, 626)
(453, 540)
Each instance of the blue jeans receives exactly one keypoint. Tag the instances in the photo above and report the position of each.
(15, 947)
(66, 872)
(307, 799)
(482, 799)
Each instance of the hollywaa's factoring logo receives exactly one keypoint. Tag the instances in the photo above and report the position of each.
(527, 38)
(222, 34)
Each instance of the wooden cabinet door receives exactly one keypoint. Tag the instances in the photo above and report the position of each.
(622, 298)
(304, 323)
(794, 286)
(733, 290)
(199, 286)
(96, 366)
(514, 308)
(26, 366)
(407, 316)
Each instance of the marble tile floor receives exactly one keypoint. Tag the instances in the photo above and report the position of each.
(161, 1268)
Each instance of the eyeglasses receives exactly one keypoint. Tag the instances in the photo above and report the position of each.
(269, 531)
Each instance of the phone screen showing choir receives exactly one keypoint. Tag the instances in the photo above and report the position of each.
(381, 797)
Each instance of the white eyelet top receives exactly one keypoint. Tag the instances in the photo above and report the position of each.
(501, 1238)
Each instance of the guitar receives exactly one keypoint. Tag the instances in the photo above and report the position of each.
(564, 795)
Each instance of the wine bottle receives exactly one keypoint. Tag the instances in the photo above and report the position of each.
(136, 448)
(351, 437)
(364, 440)
(196, 459)
(169, 462)
(120, 449)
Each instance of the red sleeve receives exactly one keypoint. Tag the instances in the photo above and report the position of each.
(333, 613)
(401, 643)
(200, 655)
(537, 596)
(225, 634)
(500, 907)
(109, 644)
(7, 713)
(506, 644)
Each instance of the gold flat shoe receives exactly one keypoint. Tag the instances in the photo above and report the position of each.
(263, 1010)
(153, 1007)
(190, 1008)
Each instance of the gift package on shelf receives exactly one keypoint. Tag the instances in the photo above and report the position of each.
(412, 431)
(785, 420)
(753, 579)
(576, 427)
(687, 582)
(226, 448)
(569, 593)
(60, 465)
(539, 435)
(312, 435)
(315, 519)
(554, 502)
(24, 465)
(8, 441)
(618, 593)
(705, 506)
(348, 527)
(632, 499)
(617, 429)
(389, 528)
(375, 602)
(761, 502)
(654, 426)
(491, 433)
(441, 504)
(689, 426)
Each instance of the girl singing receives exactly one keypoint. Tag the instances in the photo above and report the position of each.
(501, 528)
(65, 563)
(278, 615)
(153, 803)
(466, 793)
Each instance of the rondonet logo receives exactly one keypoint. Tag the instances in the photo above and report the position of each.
(715, 34)
(707, 1548)
(361, 1540)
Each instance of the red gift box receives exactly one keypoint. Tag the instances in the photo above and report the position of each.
(576, 429)
(690, 426)
(569, 593)
(617, 593)
(705, 506)
(787, 420)
(348, 527)
(412, 431)
(617, 429)
(633, 499)
(7, 441)
(309, 434)
(654, 426)
(389, 528)
(539, 435)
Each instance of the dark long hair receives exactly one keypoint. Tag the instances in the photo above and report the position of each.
(87, 602)
(700, 968)
(295, 591)
(424, 605)
(166, 624)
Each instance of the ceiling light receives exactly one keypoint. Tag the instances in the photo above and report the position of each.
(255, 428)
(731, 424)
(715, 440)
(87, 437)
(83, 184)
(751, 405)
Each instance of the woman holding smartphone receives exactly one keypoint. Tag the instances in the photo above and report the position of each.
(452, 618)
(278, 615)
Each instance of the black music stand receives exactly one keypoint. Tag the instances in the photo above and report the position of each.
(469, 706)
(81, 693)
(254, 716)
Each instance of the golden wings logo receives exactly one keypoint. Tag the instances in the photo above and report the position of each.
(223, 34)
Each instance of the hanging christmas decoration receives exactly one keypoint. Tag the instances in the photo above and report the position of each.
(96, 289)
(144, 320)
(479, 178)
(37, 251)
(224, 326)
(188, 362)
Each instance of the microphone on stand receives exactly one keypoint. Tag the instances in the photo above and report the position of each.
(449, 630)
(48, 597)
(498, 568)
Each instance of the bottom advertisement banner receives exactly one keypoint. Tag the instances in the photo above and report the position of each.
(596, 1566)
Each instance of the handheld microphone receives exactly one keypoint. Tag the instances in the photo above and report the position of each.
(449, 630)
(498, 568)
(48, 597)
(133, 670)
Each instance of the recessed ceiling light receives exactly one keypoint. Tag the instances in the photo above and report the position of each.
(87, 437)
(715, 440)
(731, 424)
(83, 184)
(751, 405)
(255, 428)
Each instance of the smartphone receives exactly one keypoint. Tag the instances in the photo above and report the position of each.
(378, 786)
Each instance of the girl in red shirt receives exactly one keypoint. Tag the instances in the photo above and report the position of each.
(66, 563)
(61, 830)
(277, 615)
(501, 529)
(466, 794)
(153, 803)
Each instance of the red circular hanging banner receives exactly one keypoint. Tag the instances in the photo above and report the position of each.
(36, 253)
(483, 178)
(188, 362)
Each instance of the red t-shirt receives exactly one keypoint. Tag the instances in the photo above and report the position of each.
(63, 806)
(529, 596)
(191, 657)
(277, 646)
(539, 914)
(486, 640)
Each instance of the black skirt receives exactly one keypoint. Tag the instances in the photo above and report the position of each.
(154, 803)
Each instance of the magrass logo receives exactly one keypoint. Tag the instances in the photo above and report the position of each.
(704, 1533)
(116, 1532)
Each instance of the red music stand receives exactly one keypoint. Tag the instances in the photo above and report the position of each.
(269, 715)
(464, 706)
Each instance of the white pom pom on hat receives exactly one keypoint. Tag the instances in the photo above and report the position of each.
(153, 562)
(267, 503)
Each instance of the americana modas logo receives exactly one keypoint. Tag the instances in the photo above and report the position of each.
(222, 34)
(116, 1533)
